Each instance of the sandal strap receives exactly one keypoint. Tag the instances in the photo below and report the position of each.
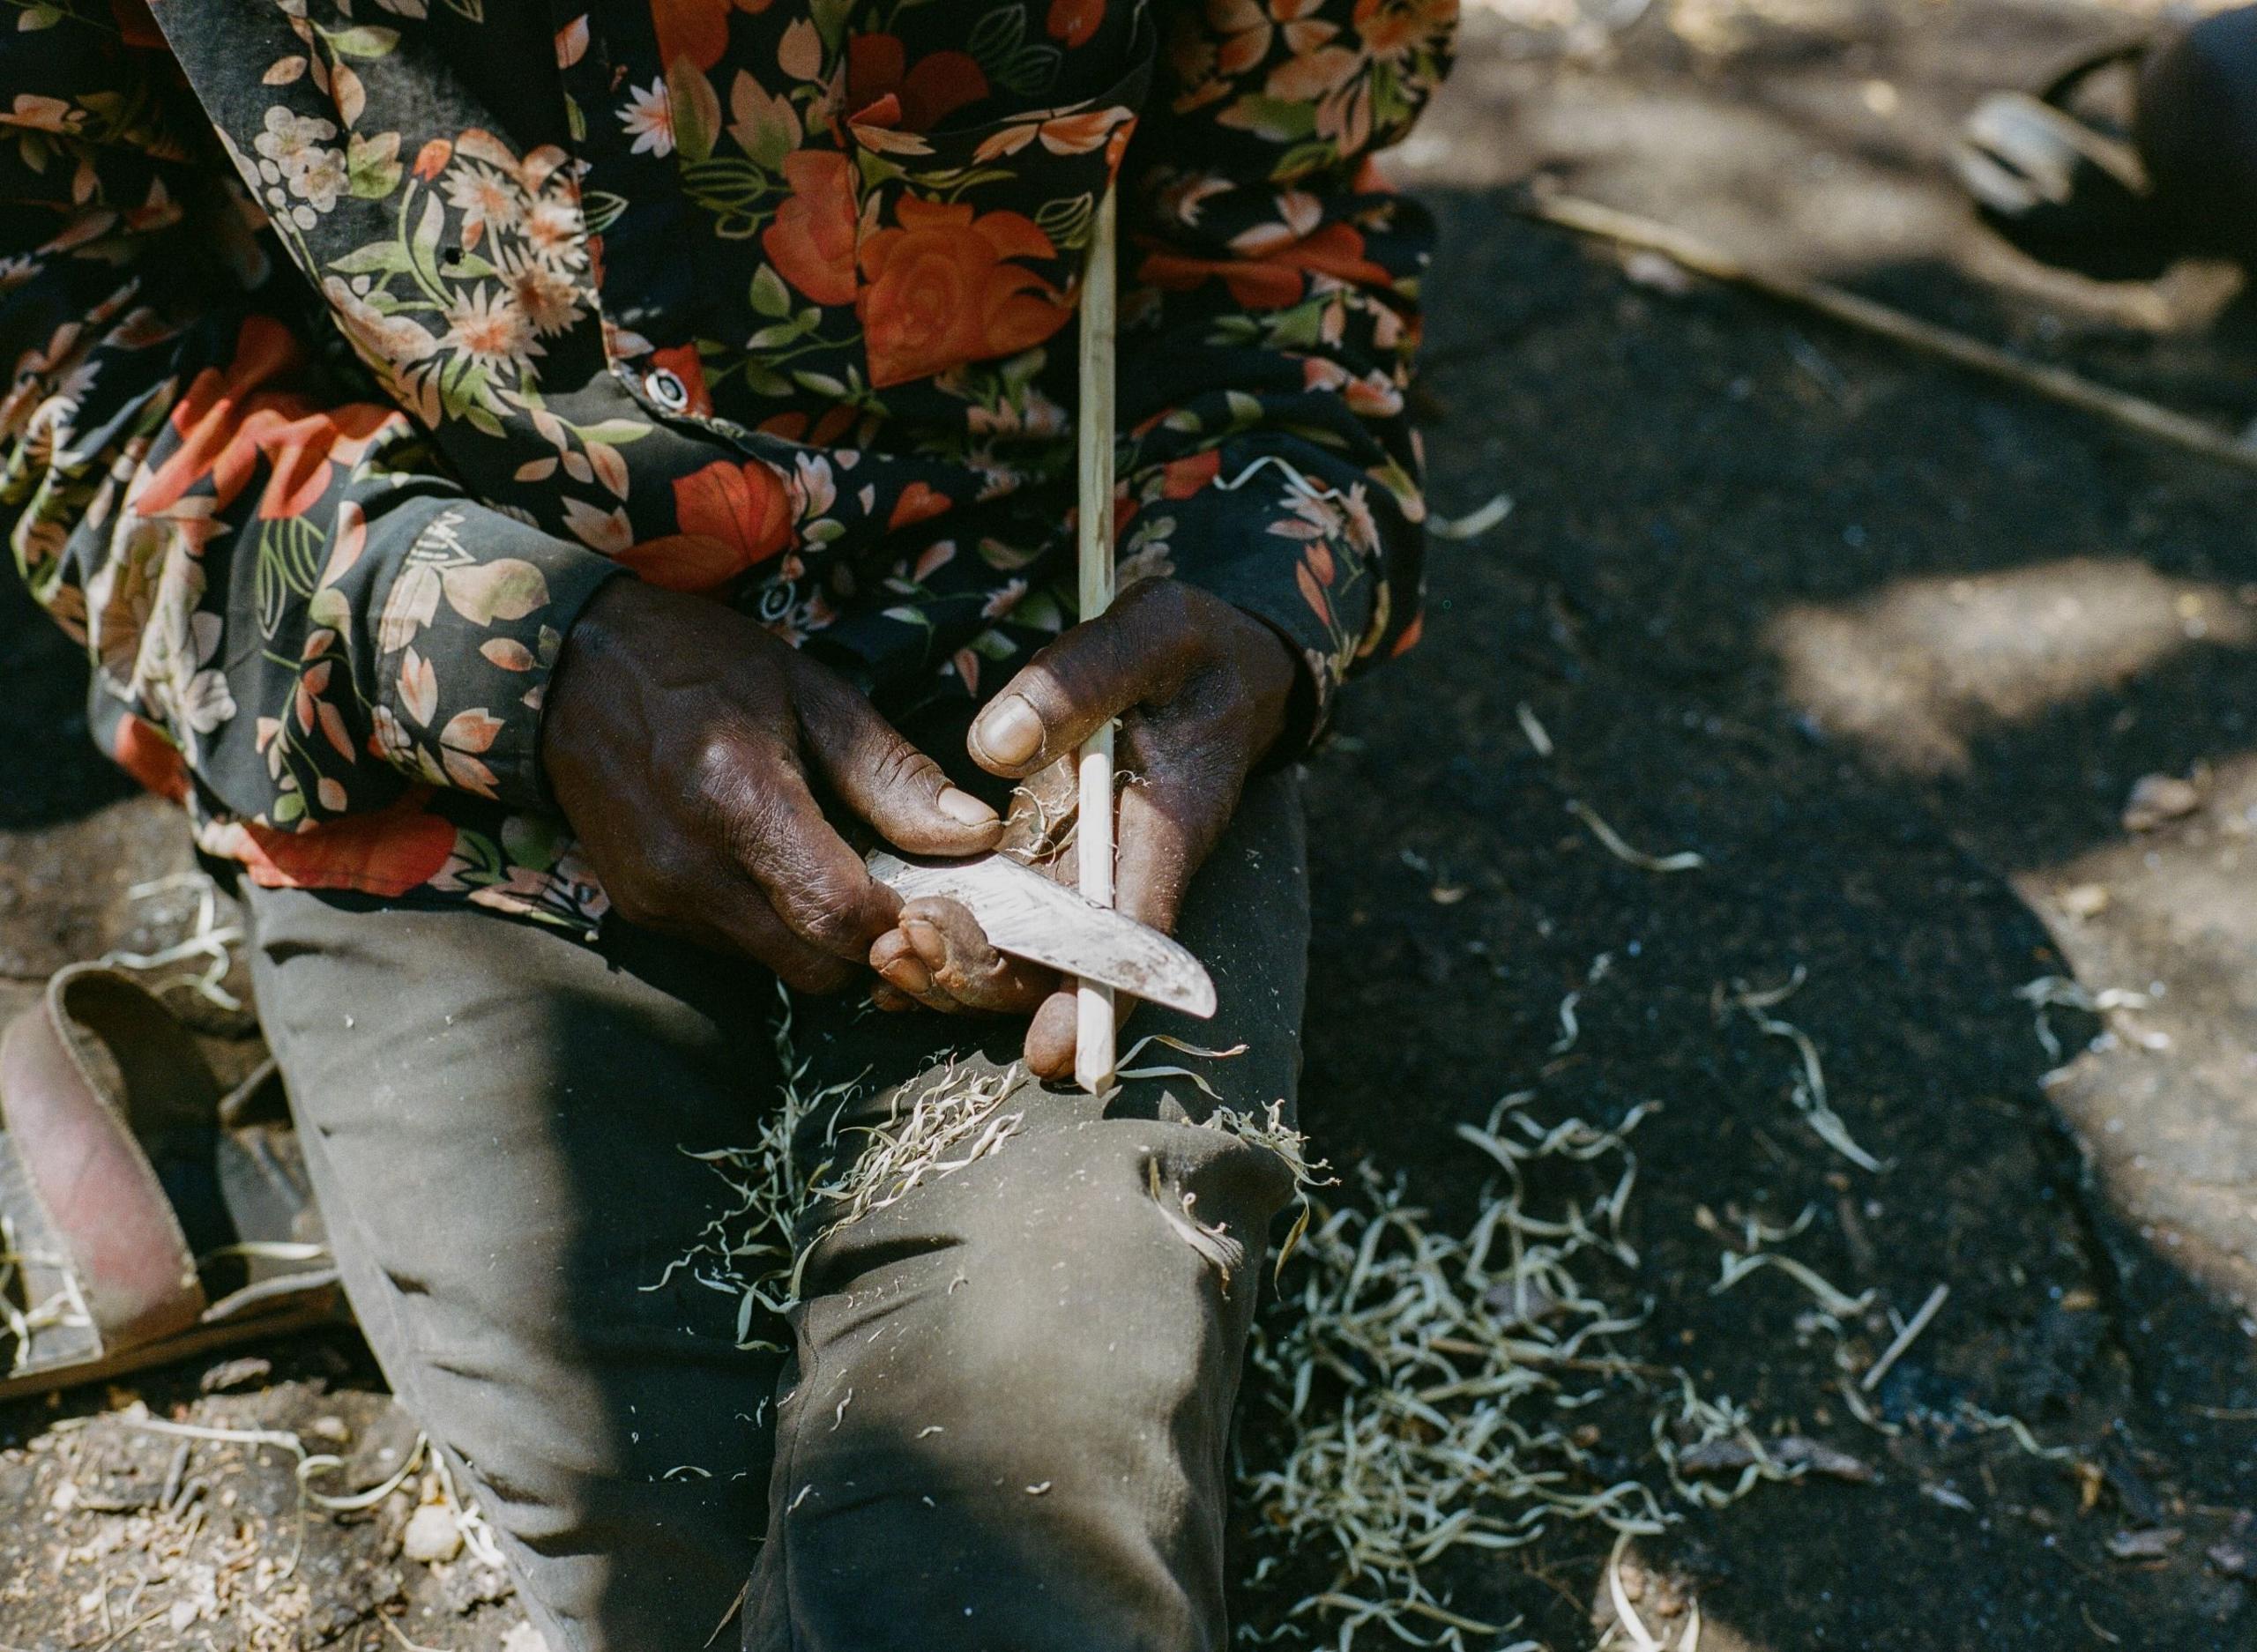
(2063, 85)
(80, 1155)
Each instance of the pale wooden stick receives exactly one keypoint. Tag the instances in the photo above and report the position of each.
(2056, 383)
(1094, 1025)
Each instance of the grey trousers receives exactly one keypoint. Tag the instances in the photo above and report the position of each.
(996, 1418)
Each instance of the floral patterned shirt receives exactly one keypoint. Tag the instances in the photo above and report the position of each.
(356, 343)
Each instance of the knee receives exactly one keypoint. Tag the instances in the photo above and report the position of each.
(1096, 1282)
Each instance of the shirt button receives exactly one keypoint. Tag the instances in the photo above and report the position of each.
(665, 387)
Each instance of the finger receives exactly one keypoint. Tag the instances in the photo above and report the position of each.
(1050, 1036)
(896, 961)
(887, 781)
(1166, 824)
(817, 884)
(1052, 1031)
(885, 998)
(733, 914)
(898, 966)
(948, 942)
(1139, 650)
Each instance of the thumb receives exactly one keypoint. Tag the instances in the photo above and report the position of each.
(887, 781)
(1137, 652)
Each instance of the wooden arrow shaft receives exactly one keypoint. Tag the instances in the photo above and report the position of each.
(1094, 1022)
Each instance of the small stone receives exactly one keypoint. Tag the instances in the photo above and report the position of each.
(2158, 797)
(1659, 272)
(432, 1535)
(524, 1638)
(2084, 900)
(2152, 1544)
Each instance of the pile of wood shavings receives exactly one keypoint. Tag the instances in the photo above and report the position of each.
(1413, 1392)
(956, 1119)
(750, 1249)
(1416, 1392)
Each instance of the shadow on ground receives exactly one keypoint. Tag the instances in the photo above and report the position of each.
(1891, 648)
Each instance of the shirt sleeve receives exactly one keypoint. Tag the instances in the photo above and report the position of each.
(1270, 306)
(287, 603)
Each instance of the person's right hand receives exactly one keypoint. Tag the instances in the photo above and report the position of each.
(678, 737)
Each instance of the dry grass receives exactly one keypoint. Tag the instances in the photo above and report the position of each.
(1419, 1391)
(1416, 1391)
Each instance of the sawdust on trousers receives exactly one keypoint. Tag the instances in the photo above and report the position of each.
(1415, 1391)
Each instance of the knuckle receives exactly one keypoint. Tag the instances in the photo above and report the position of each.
(902, 767)
(830, 911)
(835, 931)
(1161, 611)
(718, 775)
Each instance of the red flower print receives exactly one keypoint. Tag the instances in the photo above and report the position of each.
(226, 425)
(210, 420)
(1074, 22)
(386, 853)
(1271, 277)
(1392, 29)
(732, 515)
(939, 292)
(919, 503)
(924, 94)
(299, 451)
(431, 160)
(1182, 477)
(138, 28)
(142, 750)
(695, 29)
(792, 427)
(811, 242)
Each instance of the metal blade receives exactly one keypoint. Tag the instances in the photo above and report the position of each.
(1026, 915)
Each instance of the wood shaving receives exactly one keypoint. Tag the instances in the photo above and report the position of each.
(1809, 1092)
(1612, 841)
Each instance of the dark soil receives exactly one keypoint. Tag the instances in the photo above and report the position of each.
(1794, 600)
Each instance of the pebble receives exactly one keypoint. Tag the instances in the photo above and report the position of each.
(432, 1535)
(2158, 797)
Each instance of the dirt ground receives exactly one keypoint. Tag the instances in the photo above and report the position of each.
(1888, 646)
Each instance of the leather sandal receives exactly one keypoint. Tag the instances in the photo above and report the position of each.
(2058, 179)
(145, 1215)
(2061, 184)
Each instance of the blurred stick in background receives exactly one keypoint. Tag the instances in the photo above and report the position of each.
(1851, 309)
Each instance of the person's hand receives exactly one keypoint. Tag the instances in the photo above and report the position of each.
(1202, 690)
(679, 738)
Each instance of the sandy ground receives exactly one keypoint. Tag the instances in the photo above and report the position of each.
(1889, 647)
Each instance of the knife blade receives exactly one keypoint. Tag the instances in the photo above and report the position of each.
(1028, 916)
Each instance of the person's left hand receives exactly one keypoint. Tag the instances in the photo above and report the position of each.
(1202, 689)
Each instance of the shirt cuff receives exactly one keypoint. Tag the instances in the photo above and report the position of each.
(466, 638)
